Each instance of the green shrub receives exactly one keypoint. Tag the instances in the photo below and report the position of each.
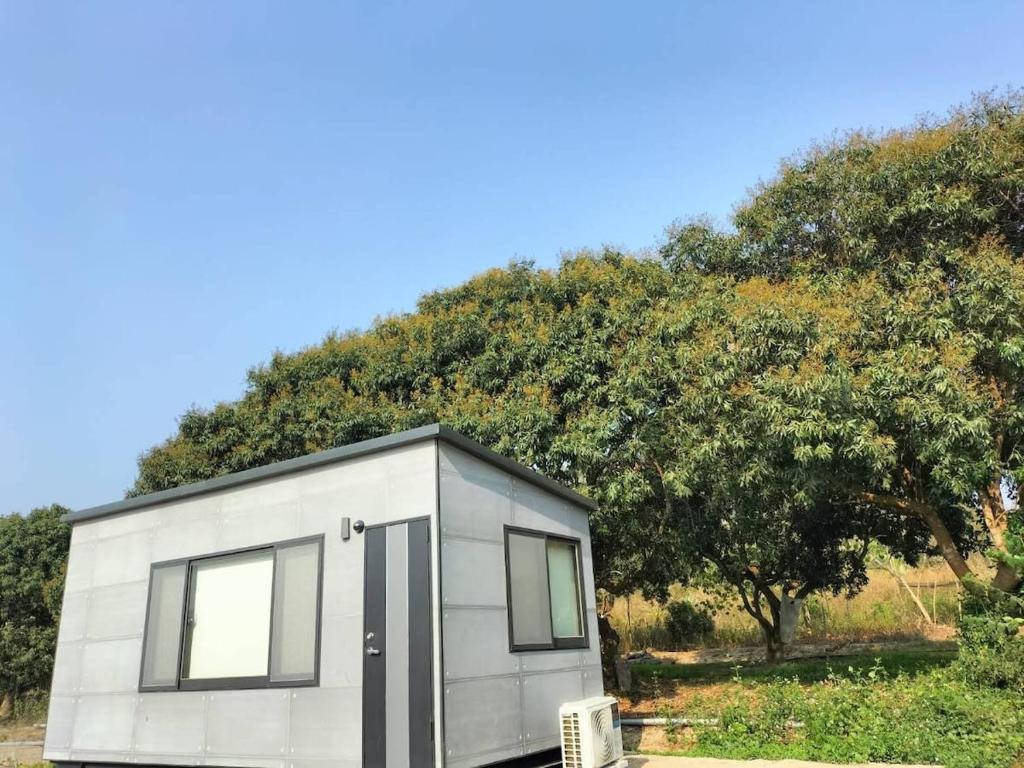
(992, 651)
(687, 623)
(935, 718)
(31, 707)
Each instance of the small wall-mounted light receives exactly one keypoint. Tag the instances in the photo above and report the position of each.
(345, 533)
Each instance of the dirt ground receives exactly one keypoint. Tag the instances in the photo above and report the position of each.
(13, 747)
(647, 701)
(21, 732)
(657, 761)
(16, 754)
(801, 651)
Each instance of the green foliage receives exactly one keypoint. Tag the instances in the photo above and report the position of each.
(926, 406)
(31, 706)
(33, 554)
(515, 358)
(992, 651)
(991, 637)
(843, 367)
(736, 415)
(870, 717)
(688, 623)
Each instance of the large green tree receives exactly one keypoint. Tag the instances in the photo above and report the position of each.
(844, 365)
(719, 416)
(930, 220)
(612, 374)
(33, 555)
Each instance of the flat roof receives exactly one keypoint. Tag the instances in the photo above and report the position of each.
(332, 456)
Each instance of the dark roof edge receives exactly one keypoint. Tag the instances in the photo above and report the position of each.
(332, 456)
(521, 471)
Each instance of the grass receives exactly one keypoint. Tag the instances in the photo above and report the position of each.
(910, 661)
(881, 611)
(899, 706)
(29, 711)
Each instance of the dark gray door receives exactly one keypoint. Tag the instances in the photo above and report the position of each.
(397, 699)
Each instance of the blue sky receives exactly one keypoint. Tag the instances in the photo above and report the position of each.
(186, 187)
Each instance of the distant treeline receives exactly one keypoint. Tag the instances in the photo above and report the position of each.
(33, 559)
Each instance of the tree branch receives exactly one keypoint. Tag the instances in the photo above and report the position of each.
(895, 503)
(927, 513)
(755, 612)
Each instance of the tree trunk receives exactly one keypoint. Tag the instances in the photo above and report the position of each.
(789, 618)
(775, 648)
(994, 513)
(774, 636)
(997, 522)
(1006, 578)
(609, 640)
(6, 705)
(947, 547)
(931, 518)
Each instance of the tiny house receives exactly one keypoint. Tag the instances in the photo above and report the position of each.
(409, 601)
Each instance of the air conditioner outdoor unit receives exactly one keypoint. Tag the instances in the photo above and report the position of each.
(591, 733)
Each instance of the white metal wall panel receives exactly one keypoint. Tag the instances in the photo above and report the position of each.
(73, 616)
(537, 509)
(81, 559)
(104, 723)
(552, 662)
(67, 676)
(116, 611)
(248, 723)
(593, 682)
(469, 574)
(325, 763)
(481, 715)
(337, 669)
(111, 666)
(477, 511)
(170, 726)
(60, 719)
(96, 712)
(252, 762)
(122, 559)
(316, 736)
(486, 632)
(508, 702)
(539, 690)
(178, 539)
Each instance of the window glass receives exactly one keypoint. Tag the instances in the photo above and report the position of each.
(229, 616)
(527, 569)
(564, 583)
(295, 611)
(163, 625)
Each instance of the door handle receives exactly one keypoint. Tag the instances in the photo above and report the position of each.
(373, 652)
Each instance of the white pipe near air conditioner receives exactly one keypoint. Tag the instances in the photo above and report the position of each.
(686, 721)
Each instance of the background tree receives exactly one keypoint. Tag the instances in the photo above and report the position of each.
(512, 358)
(33, 555)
